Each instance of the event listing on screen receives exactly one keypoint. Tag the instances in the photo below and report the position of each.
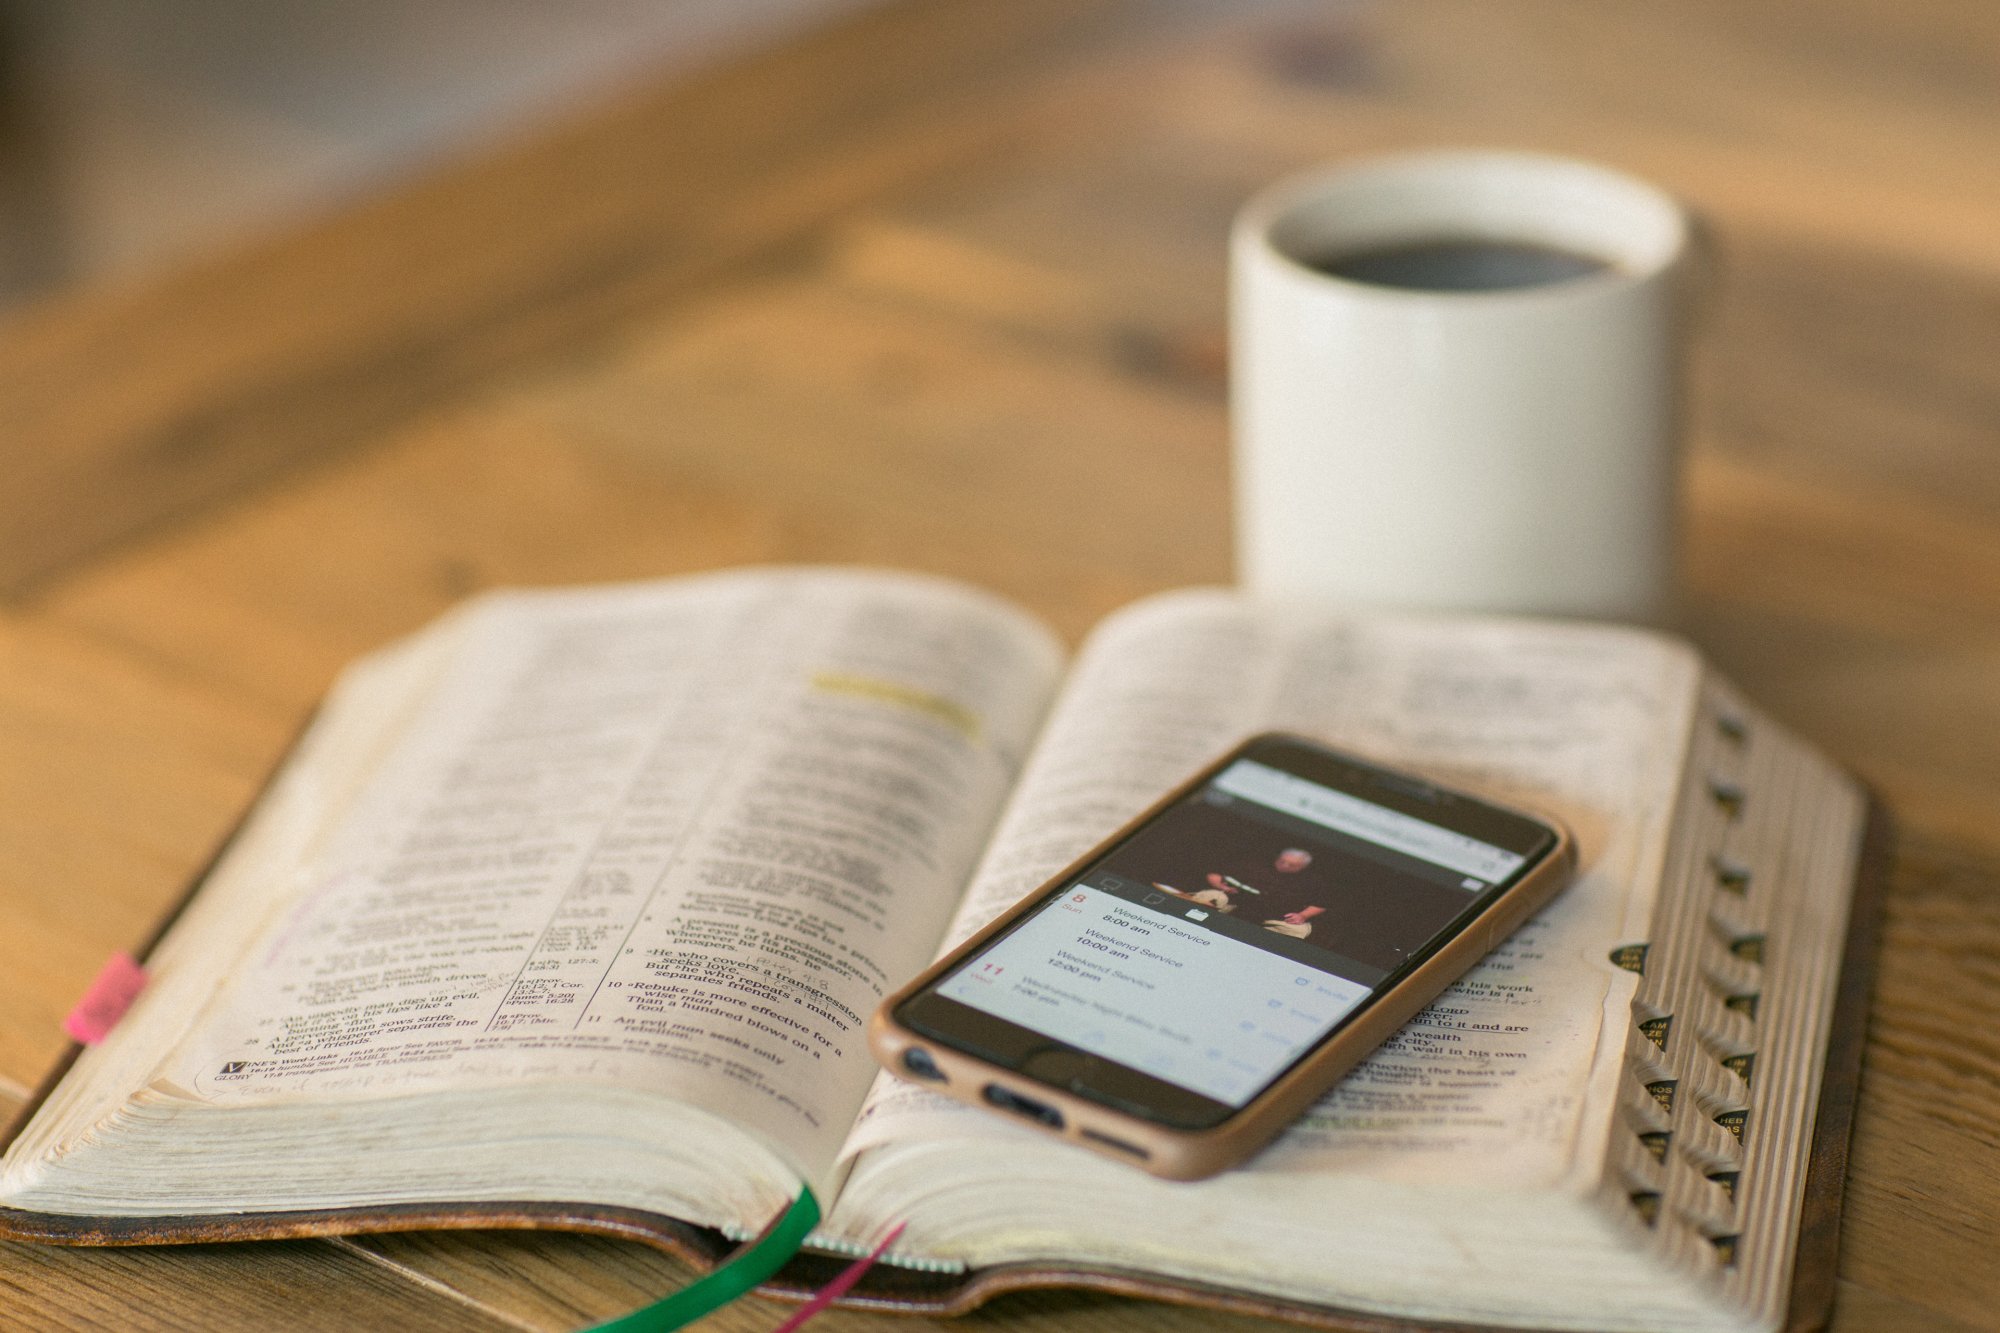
(1228, 936)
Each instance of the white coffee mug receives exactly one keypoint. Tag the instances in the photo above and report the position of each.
(1504, 449)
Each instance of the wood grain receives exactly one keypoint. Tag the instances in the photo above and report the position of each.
(116, 777)
(293, 1285)
(159, 398)
(944, 288)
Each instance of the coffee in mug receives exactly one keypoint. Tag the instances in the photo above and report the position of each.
(1460, 264)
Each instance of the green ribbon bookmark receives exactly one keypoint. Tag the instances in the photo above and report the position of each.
(750, 1266)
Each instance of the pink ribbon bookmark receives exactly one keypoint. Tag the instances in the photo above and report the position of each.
(840, 1286)
(118, 983)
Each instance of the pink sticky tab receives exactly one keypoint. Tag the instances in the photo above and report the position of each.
(118, 983)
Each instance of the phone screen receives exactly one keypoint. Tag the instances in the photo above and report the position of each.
(1188, 967)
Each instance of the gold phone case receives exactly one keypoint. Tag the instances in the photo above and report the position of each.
(1194, 1154)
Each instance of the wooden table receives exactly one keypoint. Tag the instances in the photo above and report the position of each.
(943, 288)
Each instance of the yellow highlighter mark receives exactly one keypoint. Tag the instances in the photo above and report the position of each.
(956, 716)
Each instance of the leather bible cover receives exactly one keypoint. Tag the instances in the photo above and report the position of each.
(903, 1290)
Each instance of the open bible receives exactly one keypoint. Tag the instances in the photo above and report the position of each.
(569, 911)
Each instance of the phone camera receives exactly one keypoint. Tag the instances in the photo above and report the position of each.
(1422, 791)
(919, 1062)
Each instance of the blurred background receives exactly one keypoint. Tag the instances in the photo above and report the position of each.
(137, 132)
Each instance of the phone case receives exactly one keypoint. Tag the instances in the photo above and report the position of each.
(1177, 1154)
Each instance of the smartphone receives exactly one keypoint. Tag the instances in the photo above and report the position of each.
(1181, 993)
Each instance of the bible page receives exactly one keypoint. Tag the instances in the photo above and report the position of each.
(677, 837)
(1504, 1077)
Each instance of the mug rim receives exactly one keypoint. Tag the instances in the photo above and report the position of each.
(1434, 194)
